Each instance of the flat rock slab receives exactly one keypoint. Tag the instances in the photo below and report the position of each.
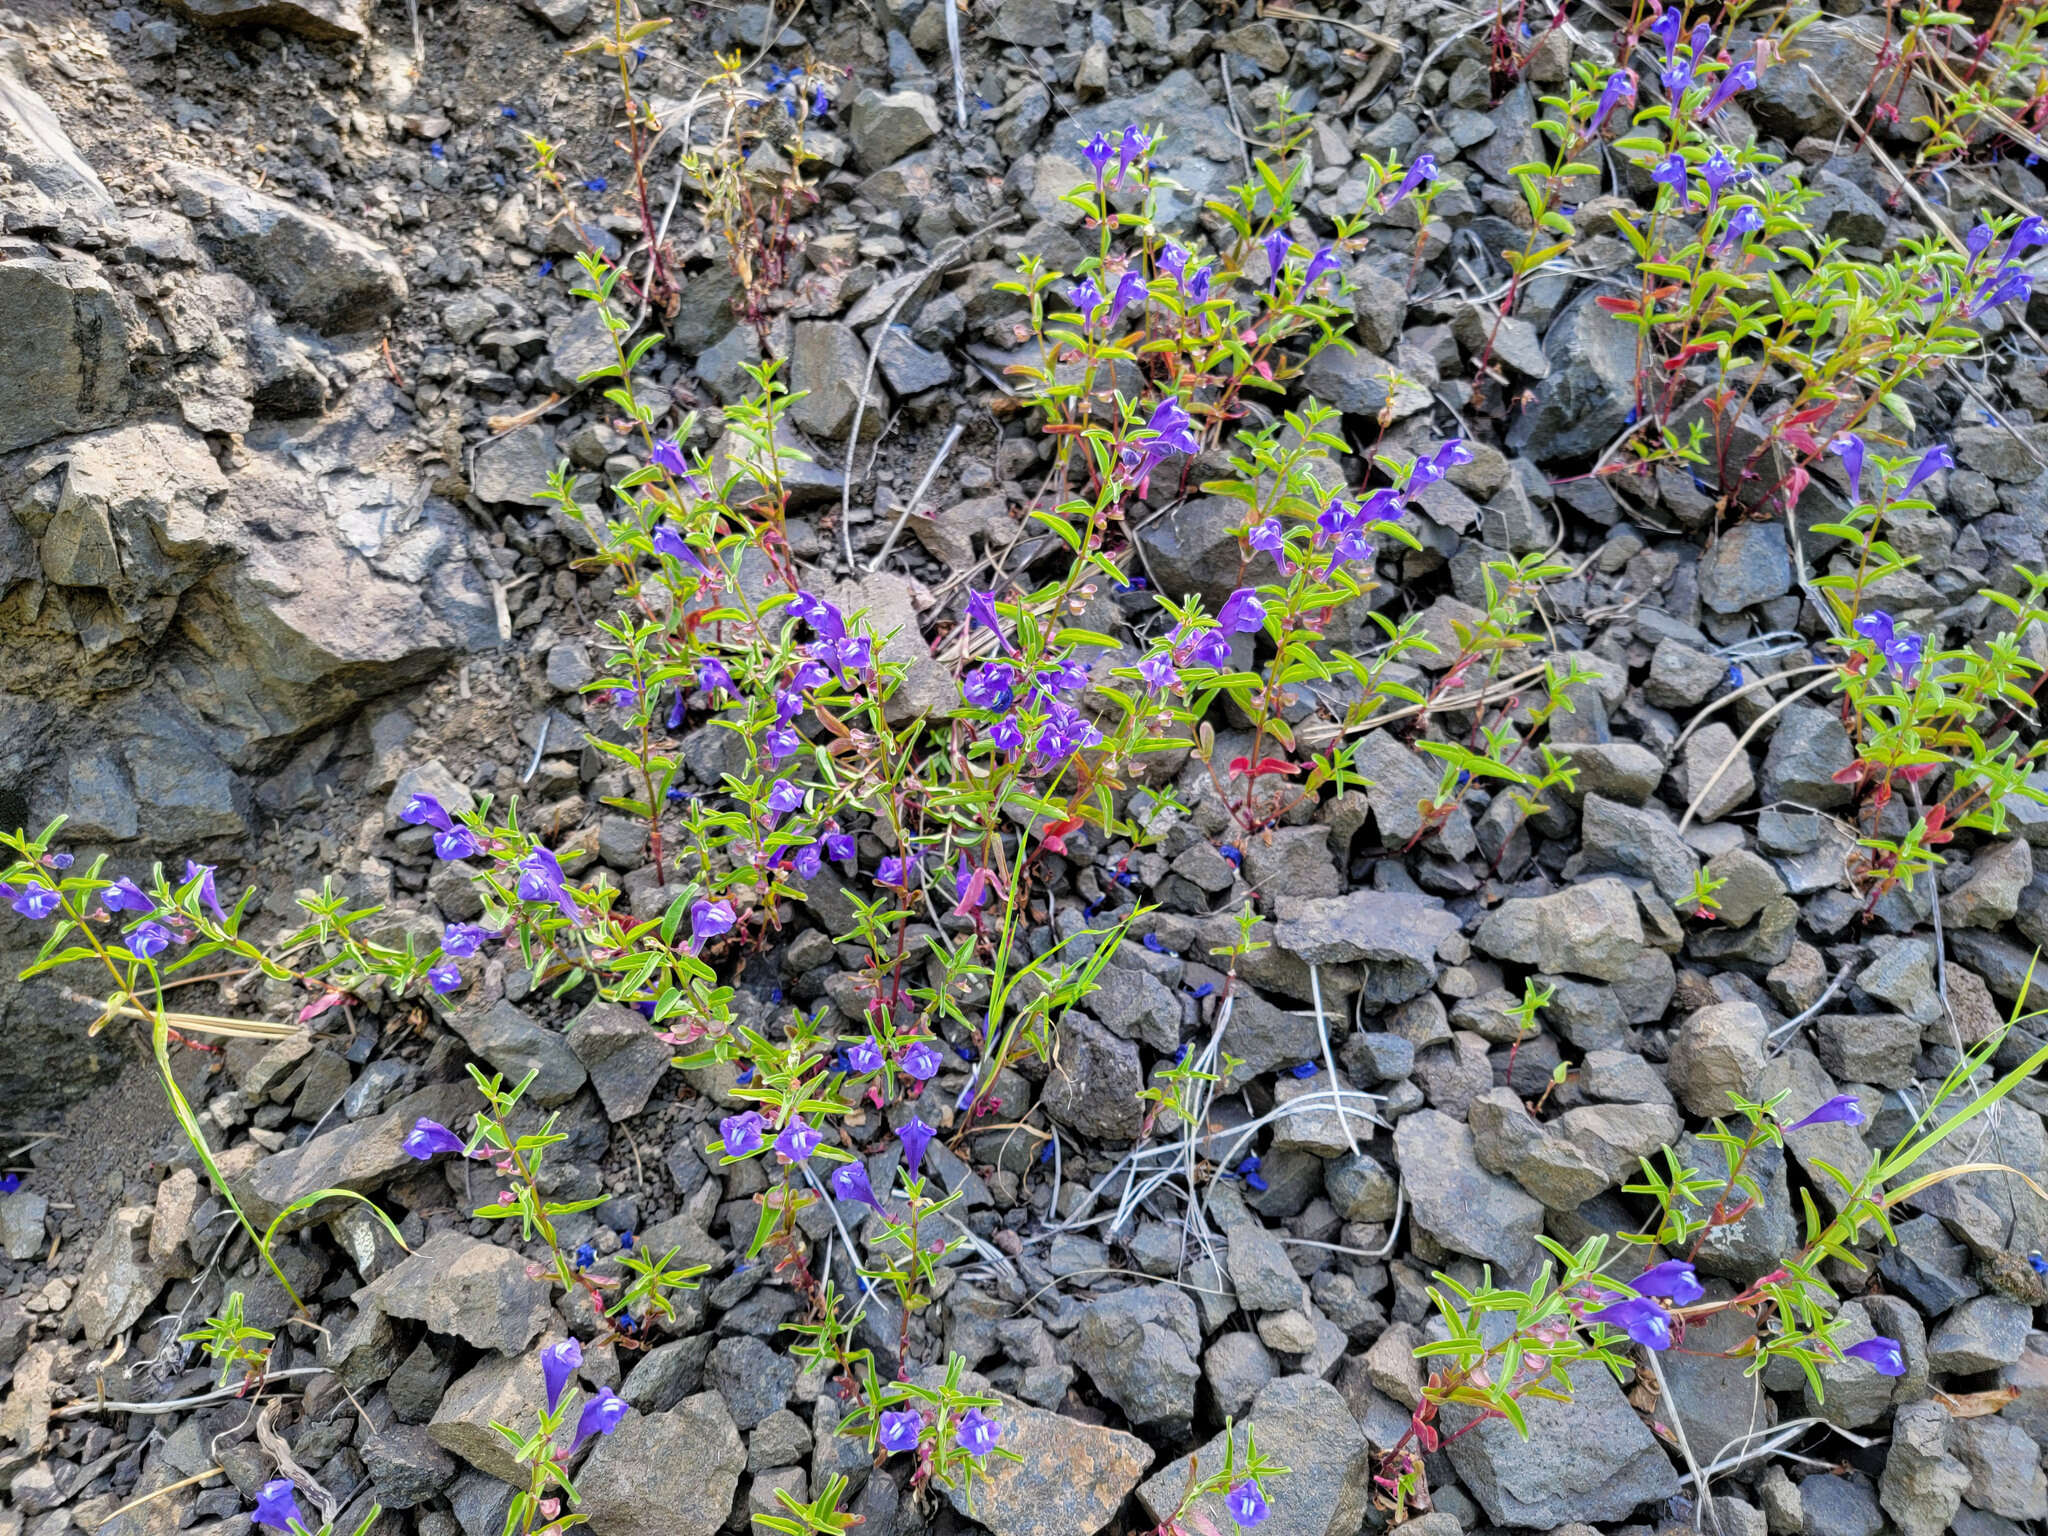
(1302, 1423)
(1460, 1204)
(1073, 1477)
(476, 1291)
(359, 1158)
(665, 1474)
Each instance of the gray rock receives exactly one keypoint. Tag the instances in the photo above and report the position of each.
(1923, 1484)
(406, 1467)
(622, 1054)
(509, 1039)
(1360, 1188)
(1397, 932)
(1456, 1201)
(1615, 1138)
(477, 1291)
(1618, 770)
(1360, 384)
(668, 1373)
(909, 368)
(1838, 1506)
(67, 350)
(1876, 1048)
(1587, 1459)
(497, 1389)
(1302, 1423)
(2004, 1466)
(1638, 841)
(1194, 549)
(1706, 752)
(313, 270)
(417, 1386)
(665, 1474)
(120, 1279)
(1857, 1395)
(1259, 1269)
(1073, 1476)
(1592, 929)
(1237, 1367)
(1507, 1140)
(1094, 1086)
(1585, 400)
(753, 1379)
(1291, 861)
(1808, 748)
(52, 186)
(1928, 1266)
(1749, 563)
(1710, 1387)
(1767, 1233)
(514, 469)
(329, 20)
(1138, 1346)
(1139, 1007)
(1397, 782)
(360, 1157)
(1680, 676)
(1719, 1050)
(1622, 1077)
(886, 127)
(21, 1224)
(826, 366)
(1982, 1334)
(1998, 874)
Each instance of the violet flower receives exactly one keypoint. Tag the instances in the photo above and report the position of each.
(444, 977)
(150, 939)
(1130, 289)
(808, 861)
(783, 797)
(709, 920)
(1718, 172)
(922, 1060)
(850, 1182)
(422, 811)
(1741, 78)
(1932, 463)
(464, 939)
(838, 845)
(1638, 1317)
(36, 901)
(1745, 221)
(1276, 246)
(1842, 1109)
(1850, 449)
(991, 686)
(1246, 1504)
(429, 1138)
(1420, 170)
(1097, 152)
(1242, 613)
(714, 677)
(797, 1140)
(1901, 653)
(864, 1056)
(1195, 284)
(1210, 649)
(1881, 1354)
(1670, 172)
(1270, 538)
(541, 879)
(1131, 149)
(2008, 285)
(1173, 261)
(896, 872)
(1977, 242)
(668, 454)
(900, 1429)
(978, 1433)
(559, 1362)
(1674, 1280)
(970, 886)
(600, 1416)
(1086, 298)
(1666, 29)
(276, 1507)
(1158, 671)
(915, 1136)
(2029, 232)
(1620, 88)
(1323, 262)
(741, 1134)
(456, 844)
(126, 896)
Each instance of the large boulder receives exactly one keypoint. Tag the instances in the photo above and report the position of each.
(67, 352)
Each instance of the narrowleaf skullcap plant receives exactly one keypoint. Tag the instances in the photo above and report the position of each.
(1167, 365)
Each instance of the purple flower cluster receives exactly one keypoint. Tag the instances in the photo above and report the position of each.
(1901, 652)
(1129, 150)
(835, 647)
(2007, 284)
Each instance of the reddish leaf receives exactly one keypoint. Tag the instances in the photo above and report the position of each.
(1853, 774)
(1054, 838)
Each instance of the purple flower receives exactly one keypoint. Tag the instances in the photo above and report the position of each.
(1172, 432)
(838, 845)
(541, 879)
(1210, 649)
(1195, 284)
(1086, 298)
(1673, 1280)
(1745, 221)
(741, 1133)
(150, 939)
(203, 873)
(1421, 170)
(1978, 241)
(1173, 261)
(559, 1362)
(125, 896)
(780, 743)
(1270, 538)
(464, 939)
(430, 1138)
(1741, 78)
(1322, 262)
(922, 1060)
(1006, 736)
(1849, 448)
(1901, 653)
(1097, 152)
(864, 1056)
(600, 1416)
(900, 1428)
(276, 1507)
(991, 686)
(713, 677)
(708, 920)
(1276, 247)
(1842, 1109)
(978, 1433)
(1158, 671)
(808, 860)
(1881, 1354)
(1718, 171)
(981, 609)
(1620, 87)
(1932, 463)
(2009, 285)
(827, 620)
(423, 811)
(970, 886)
(667, 454)
(1246, 1504)
(9, 1183)
(445, 977)
(36, 901)
(915, 1136)
(895, 872)
(850, 1182)
(458, 844)
(1638, 1317)
(1130, 289)
(1242, 613)
(1670, 172)
(783, 797)
(1666, 29)
(1131, 149)
(2029, 232)
(797, 1141)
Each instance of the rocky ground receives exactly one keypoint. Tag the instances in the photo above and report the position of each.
(290, 354)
